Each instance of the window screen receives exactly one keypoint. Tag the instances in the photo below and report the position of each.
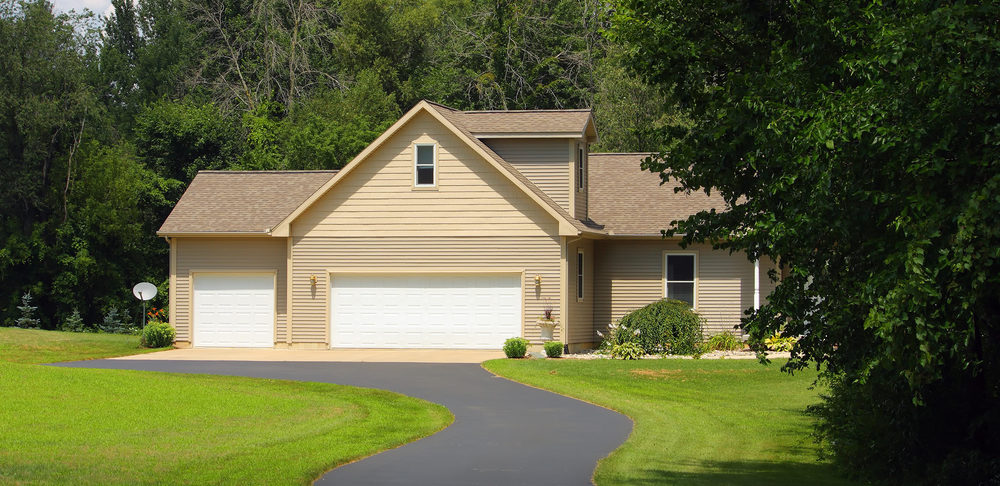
(425, 165)
(579, 275)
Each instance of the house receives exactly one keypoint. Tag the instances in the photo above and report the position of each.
(451, 230)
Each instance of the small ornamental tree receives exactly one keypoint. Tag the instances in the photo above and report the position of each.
(27, 320)
(858, 144)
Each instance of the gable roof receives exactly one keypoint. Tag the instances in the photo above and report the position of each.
(558, 123)
(240, 202)
(630, 201)
(449, 118)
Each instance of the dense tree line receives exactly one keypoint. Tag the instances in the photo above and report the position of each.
(104, 121)
(857, 144)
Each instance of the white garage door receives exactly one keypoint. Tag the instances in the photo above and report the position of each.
(234, 310)
(424, 311)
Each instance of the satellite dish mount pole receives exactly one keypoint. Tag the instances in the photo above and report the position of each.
(143, 310)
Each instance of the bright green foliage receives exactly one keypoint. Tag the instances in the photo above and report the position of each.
(725, 341)
(515, 347)
(777, 342)
(696, 422)
(667, 325)
(627, 350)
(553, 349)
(858, 144)
(158, 335)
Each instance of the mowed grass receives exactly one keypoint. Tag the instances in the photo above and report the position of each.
(80, 426)
(697, 422)
(35, 346)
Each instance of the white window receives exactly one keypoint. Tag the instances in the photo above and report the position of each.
(424, 167)
(679, 271)
(579, 275)
(581, 166)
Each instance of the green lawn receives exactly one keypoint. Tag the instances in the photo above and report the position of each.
(34, 346)
(697, 422)
(80, 426)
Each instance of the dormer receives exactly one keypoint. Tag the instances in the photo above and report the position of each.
(549, 147)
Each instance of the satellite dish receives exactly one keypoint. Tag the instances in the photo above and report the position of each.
(144, 291)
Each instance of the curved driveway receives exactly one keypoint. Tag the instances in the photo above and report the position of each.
(504, 432)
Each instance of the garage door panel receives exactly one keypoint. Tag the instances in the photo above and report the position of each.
(233, 310)
(425, 311)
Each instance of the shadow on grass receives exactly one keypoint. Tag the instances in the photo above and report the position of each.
(717, 473)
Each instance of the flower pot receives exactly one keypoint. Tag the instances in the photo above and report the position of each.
(547, 325)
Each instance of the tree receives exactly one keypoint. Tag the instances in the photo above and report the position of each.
(857, 145)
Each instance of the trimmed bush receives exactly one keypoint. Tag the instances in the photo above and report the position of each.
(665, 326)
(515, 347)
(553, 349)
(725, 341)
(158, 335)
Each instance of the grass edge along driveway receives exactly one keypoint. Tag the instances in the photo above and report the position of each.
(84, 426)
(697, 422)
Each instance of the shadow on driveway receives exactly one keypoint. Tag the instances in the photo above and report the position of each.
(504, 432)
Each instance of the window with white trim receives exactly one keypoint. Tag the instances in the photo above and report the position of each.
(679, 276)
(581, 167)
(424, 166)
(579, 275)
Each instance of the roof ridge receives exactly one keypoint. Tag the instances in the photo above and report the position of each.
(214, 171)
(547, 110)
(441, 105)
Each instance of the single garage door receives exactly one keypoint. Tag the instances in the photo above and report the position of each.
(424, 311)
(234, 310)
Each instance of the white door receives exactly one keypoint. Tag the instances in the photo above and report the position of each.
(234, 310)
(424, 311)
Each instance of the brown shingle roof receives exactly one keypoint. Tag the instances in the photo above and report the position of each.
(630, 201)
(241, 201)
(533, 121)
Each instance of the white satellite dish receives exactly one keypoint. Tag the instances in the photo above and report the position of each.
(144, 291)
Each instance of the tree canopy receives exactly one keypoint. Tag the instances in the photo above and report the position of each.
(857, 144)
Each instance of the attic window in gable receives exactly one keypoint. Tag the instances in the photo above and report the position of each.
(424, 166)
(581, 168)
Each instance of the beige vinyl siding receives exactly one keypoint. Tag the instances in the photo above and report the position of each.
(580, 326)
(582, 197)
(543, 161)
(630, 275)
(232, 254)
(474, 221)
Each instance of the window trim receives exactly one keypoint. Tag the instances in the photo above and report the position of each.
(581, 276)
(581, 167)
(434, 164)
(663, 269)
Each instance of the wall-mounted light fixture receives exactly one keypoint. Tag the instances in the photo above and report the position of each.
(312, 279)
(538, 279)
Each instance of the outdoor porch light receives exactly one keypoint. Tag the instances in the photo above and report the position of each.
(312, 279)
(538, 279)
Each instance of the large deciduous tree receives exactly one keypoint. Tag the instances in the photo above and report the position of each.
(857, 144)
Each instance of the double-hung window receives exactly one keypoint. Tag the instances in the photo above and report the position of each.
(424, 168)
(579, 275)
(679, 276)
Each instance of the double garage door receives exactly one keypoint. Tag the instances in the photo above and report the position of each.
(368, 311)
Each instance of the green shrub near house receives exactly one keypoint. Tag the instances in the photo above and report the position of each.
(665, 326)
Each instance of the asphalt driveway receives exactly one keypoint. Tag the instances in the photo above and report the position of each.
(504, 432)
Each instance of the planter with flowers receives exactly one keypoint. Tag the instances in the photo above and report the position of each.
(547, 323)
